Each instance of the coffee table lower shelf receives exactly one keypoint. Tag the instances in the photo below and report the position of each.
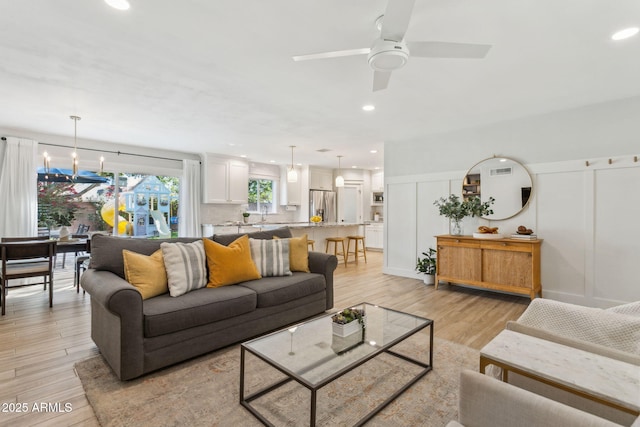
(245, 400)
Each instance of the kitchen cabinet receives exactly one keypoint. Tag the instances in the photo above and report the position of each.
(225, 180)
(377, 181)
(508, 265)
(290, 192)
(374, 236)
(320, 179)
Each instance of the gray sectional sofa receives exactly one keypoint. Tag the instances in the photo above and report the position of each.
(138, 336)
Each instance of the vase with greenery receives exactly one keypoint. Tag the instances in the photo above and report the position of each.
(427, 266)
(245, 216)
(456, 210)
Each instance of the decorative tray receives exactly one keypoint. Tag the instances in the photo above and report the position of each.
(488, 236)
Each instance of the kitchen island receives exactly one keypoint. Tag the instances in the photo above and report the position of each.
(318, 232)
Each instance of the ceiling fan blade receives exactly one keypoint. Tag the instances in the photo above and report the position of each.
(381, 80)
(334, 54)
(448, 50)
(396, 19)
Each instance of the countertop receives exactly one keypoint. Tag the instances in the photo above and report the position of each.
(272, 225)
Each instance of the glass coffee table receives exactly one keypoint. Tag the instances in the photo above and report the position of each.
(311, 353)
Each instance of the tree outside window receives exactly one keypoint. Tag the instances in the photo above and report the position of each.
(261, 197)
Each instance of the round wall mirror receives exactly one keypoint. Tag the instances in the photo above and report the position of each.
(504, 179)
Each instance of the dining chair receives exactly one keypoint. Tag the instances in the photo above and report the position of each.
(35, 259)
(81, 234)
(25, 239)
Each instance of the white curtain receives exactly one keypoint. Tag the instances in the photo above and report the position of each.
(18, 188)
(189, 211)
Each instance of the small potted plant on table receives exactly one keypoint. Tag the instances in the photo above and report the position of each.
(245, 217)
(427, 265)
(348, 321)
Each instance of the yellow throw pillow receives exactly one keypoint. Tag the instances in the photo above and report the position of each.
(298, 253)
(146, 273)
(231, 264)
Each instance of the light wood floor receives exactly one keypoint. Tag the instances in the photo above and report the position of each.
(39, 345)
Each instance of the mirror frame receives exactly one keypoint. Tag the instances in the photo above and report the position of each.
(464, 179)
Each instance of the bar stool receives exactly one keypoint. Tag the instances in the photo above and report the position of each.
(312, 243)
(363, 251)
(335, 241)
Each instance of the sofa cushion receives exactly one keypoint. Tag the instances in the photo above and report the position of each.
(273, 291)
(226, 239)
(231, 264)
(185, 265)
(146, 273)
(106, 251)
(164, 314)
(298, 253)
(271, 257)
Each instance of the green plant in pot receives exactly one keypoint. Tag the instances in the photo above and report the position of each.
(245, 216)
(345, 320)
(456, 210)
(427, 265)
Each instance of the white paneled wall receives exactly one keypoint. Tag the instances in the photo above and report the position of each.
(587, 216)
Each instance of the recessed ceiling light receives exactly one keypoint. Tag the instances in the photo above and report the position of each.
(368, 107)
(272, 161)
(354, 167)
(118, 4)
(373, 151)
(625, 34)
(244, 156)
(503, 160)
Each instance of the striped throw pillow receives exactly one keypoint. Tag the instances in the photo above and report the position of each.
(271, 257)
(185, 265)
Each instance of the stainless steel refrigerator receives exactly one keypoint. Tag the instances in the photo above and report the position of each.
(323, 203)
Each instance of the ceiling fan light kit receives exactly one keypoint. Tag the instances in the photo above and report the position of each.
(388, 55)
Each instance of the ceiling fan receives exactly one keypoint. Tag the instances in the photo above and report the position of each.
(390, 52)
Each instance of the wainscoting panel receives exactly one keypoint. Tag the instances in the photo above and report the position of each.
(400, 227)
(561, 223)
(617, 230)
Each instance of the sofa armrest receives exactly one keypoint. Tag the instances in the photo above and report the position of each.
(110, 291)
(324, 264)
(487, 402)
(117, 321)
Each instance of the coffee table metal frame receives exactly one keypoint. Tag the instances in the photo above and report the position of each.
(313, 388)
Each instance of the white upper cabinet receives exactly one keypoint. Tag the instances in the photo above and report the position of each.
(320, 179)
(290, 192)
(377, 181)
(225, 180)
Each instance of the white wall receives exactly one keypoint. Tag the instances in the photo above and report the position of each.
(587, 215)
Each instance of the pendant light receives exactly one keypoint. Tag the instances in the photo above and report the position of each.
(339, 178)
(74, 155)
(292, 175)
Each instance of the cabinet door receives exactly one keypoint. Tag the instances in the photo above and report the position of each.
(290, 192)
(374, 236)
(459, 263)
(215, 180)
(377, 181)
(238, 182)
(507, 264)
(320, 180)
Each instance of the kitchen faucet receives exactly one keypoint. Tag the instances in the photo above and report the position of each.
(264, 213)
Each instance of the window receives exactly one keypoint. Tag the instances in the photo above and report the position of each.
(261, 195)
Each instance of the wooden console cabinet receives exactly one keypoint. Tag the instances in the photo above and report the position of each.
(508, 265)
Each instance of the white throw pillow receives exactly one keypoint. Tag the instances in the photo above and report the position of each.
(186, 266)
(271, 257)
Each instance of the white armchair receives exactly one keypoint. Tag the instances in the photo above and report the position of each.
(487, 402)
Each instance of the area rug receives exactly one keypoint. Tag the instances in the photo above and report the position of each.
(205, 391)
